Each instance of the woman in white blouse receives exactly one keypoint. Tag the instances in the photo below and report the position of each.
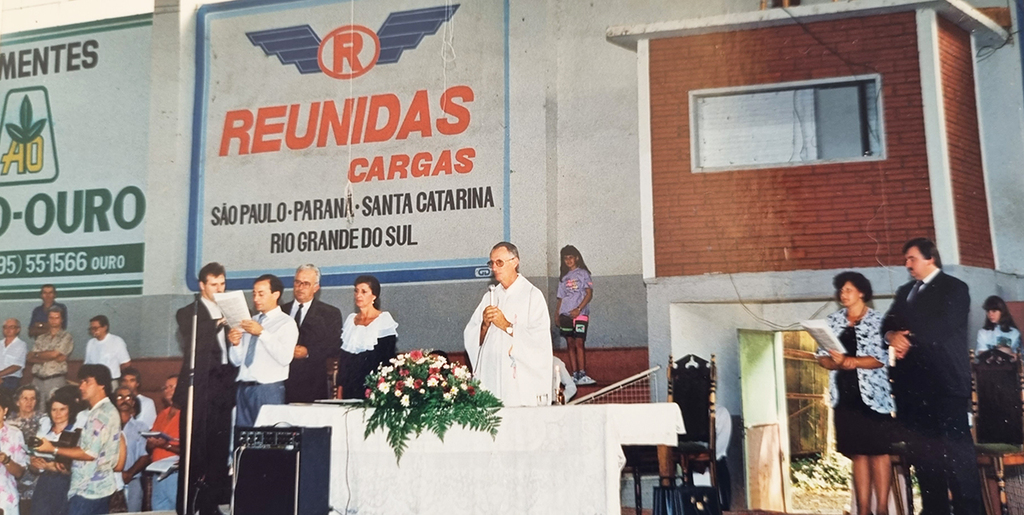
(368, 339)
(999, 331)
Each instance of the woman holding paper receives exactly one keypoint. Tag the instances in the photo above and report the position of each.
(859, 385)
(999, 331)
(368, 339)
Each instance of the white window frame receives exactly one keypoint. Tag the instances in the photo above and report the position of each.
(697, 94)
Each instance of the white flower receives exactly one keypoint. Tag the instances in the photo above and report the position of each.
(422, 390)
(384, 387)
(404, 401)
(447, 396)
(408, 382)
(432, 382)
(464, 386)
(398, 393)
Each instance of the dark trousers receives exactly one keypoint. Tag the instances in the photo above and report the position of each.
(940, 448)
(79, 505)
(251, 397)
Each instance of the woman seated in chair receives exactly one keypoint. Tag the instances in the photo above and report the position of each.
(999, 331)
(859, 384)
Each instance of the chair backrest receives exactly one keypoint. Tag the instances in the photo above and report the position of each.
(693, 384)
(998, 398)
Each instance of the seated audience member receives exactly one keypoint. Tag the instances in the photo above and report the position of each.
(28, 419)
(51, 492)
(999, 331)
(132, 378)
(96, 456)
(105, 348)
(137, 458)
(165, 490)
(13, 457)
(12, 355)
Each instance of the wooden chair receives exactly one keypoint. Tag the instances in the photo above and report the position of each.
(997, 403)
(692, 383)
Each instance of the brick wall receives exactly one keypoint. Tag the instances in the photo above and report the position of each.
(792, 218)
(969, 200)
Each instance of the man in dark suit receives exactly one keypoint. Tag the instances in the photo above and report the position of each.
(319, 338)
(926, 327)
(213, 399)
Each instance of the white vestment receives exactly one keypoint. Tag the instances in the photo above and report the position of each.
(516, 368)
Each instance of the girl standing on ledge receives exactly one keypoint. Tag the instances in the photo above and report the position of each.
(575, 289)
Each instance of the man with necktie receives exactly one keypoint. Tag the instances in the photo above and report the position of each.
(926, 328)
(213, 398)
(262, 348)
(319, 338)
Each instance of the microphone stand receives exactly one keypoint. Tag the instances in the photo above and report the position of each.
(188, 499)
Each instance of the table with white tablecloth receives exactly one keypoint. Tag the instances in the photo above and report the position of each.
(559, 459)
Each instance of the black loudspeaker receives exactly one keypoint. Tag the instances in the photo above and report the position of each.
(282, 471)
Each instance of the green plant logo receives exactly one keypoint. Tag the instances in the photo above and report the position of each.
(27, 142)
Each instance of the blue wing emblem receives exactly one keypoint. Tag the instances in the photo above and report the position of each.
(404, 30)
(292, 45)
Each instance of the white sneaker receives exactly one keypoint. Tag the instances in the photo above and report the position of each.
(585, 380)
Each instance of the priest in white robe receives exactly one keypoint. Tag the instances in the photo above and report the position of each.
(508, 339)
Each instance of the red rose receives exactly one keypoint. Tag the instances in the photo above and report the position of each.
(416, 355)
(367, 392)
(404, 372)
(417, 383)
(471, 390)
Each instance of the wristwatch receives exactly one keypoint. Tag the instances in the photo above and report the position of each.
(7, 459)
(509, 329)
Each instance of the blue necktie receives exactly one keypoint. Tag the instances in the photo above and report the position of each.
(250, 353)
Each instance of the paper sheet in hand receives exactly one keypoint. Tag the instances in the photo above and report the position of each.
(819, 330)
(232, 304)
(158, 434)
(164, 467)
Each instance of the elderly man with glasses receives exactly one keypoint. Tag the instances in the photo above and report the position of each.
(508, 339)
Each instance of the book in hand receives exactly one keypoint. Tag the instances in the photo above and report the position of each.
(158, 434)
(823, 335)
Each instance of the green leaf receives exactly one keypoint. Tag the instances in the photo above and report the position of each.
(26, 114)
(35, 130)
(15, 133)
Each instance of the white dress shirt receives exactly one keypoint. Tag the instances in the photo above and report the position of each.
(274, 349)
(13, 354)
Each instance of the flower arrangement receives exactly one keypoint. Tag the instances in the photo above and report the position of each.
(418, 392)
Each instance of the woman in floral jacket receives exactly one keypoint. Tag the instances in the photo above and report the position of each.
(860, 391)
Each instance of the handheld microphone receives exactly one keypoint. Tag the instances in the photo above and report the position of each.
(491, 287)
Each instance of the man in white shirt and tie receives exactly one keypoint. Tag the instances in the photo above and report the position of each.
(262, 348)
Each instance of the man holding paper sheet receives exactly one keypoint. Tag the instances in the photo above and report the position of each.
(926, 327)
(213, 396)
(263, 349)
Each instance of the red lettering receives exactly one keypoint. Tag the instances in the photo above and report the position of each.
(353, 174)
(330, 122)
(347, 46)
(451, 108)
(237, 125)
(376, 169)
(464, 160)
(444, 163)
(264, 129)
(421, 164)
(357, 126)
(292, 139)
(399, 166)
(417, 118)
(387, 101)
